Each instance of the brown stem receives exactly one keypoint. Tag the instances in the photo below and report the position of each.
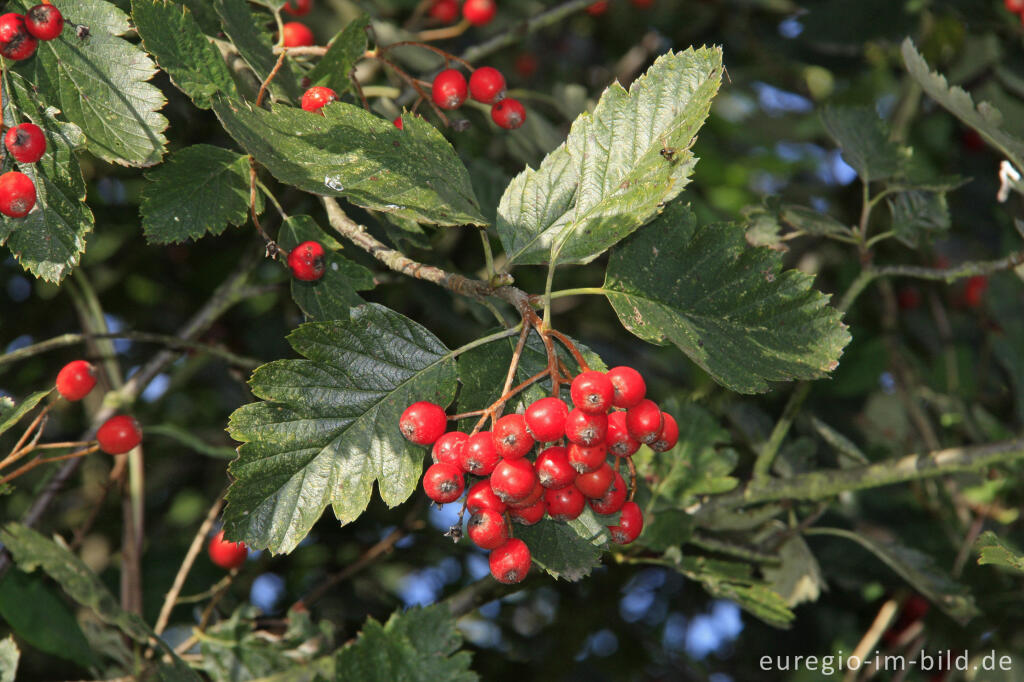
(270, 76)
(18, 451)
(273, 250)
(29, 466)
(415, 85)
(632, 478)
(447, 56)
(512, 367)
(576, 354)
(444, 33)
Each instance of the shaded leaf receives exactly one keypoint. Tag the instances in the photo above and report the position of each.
(810, 221)
(993, 550)
(567, 550)
(861, 135)
(798, 578)
(255, 46)
(918, 216)
(11, 413)
(347, 48)
(732, 580)
(840, 443)
(41, 618)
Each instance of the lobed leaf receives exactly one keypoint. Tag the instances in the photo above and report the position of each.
(255, 47)
(334, 69)
(861, 135)
(993, 550)
(40, 617)
(567, 550)
(918, 215)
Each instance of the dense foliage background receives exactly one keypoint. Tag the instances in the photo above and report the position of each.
(813, 91)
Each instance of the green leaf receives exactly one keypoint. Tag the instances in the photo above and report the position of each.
(49, 241)
(204, 14)
(567, 550)
(9, 656)
(861, 135)
(101, 83)
(335, 67)
(255, 46)
(11, 413)
(918, 216)
(810, 221)
(840, 443)
(993, 550)
(41, 618)
(348, 152)
(331, 296)
(731, 580)
(198, 190)
(416, 646)
(919, 570)
(617, 168)
(798, 578)
(328, 425)
(173, 37)
(730, 307)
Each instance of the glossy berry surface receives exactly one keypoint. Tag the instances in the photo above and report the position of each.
(26, 142)
(75, 380)
(443, 482)
(227, 555)
(627, 385)
(399, 123)
(487, 529)
(644, 421)
(17, 194)
(508, 113)
(668, 436)
(595, 484)
(511, 438)
(444, 11)
(487, 85)
(298, 8)
(527, 516)
(423, 422)
(586, 429)
(306, 261)
(513, 479)
(620, 443)
(592, 392)
(480, 496)
(449, 447)
(613, 499)
(511, 562)
(583, 458)
(479, 12)
(449, 89)
(296, 34)
(536, 493)
(554, 469)
(631, 523)
(119, 434)
(15, 41)
(44, 22)
(479, 456)
(546, 419)
(317, 97)
(564, 504)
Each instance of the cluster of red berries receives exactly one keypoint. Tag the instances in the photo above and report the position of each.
(1015, 6)
(486, 85)
(561, 479)
(19, 36)
(475, 12)
(227, 555)
(117, 435)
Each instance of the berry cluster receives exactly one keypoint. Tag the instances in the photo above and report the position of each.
(610, 418)
(475, 12)
(486, 85)
(117, 435)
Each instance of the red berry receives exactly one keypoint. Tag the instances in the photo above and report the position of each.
(480, 496)
(297, 34)
(554, 469)
(443, 482)
(909, 297)
(399, 123)
(26, 142)
(423, 422)
(595, 484)
(298, 8)
(119, 434)
(75, 380)
(513, 480)
(44, 22)
(668, 436)
(487, 85)
(535, 494)
(508, 113)
(596, 9)
(487, 529)
(586, 429)
(629, 387)
(15, 41)
(228, 555)
(306, 262)
(511, 562)
(620, 443)
(564, 504)
(479, 457)
(317, 97)
(584, 459)
(644, 421)
(546, 419)
(448, 448)
(631, 522)
(592, 392)
(1015, 6)
(444, 11)
(449, 89)
(527, 516)
(479, 12)
(17, 194)
(974, 292)
(511, 439)
(613, 499)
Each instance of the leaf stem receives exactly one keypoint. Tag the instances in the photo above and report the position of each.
(580, 291)
(488, 254)
(504, 333)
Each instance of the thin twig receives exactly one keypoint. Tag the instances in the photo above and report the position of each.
(512, 367)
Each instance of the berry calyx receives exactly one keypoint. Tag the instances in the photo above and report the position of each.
(26, 142)
(75, 380)
(422, 422)
(620, 443)
(449, 89)
(479, 12)
(479, 457)
(583, 458)
(628, 386)
(669, 435)
(44, 22)
(298, 8)
(480, 496)
(17, 194)
(449, 448)
(317, 97)
(444, 11)
(511, 439)
(513, 480)
(613, 499)
(296, 34)
(511, 562)
(443, 482)
(306, 261)
(119, 434)
(527, 516)
(15, 41)
(644, 421)
(595, 484)
(487, 529)
(586, 429)
(508, 113)
(592, 392)
(631, 522)
(487, 85)
(564, 504)
(554, 469)
(545, 419)
(227, 555)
